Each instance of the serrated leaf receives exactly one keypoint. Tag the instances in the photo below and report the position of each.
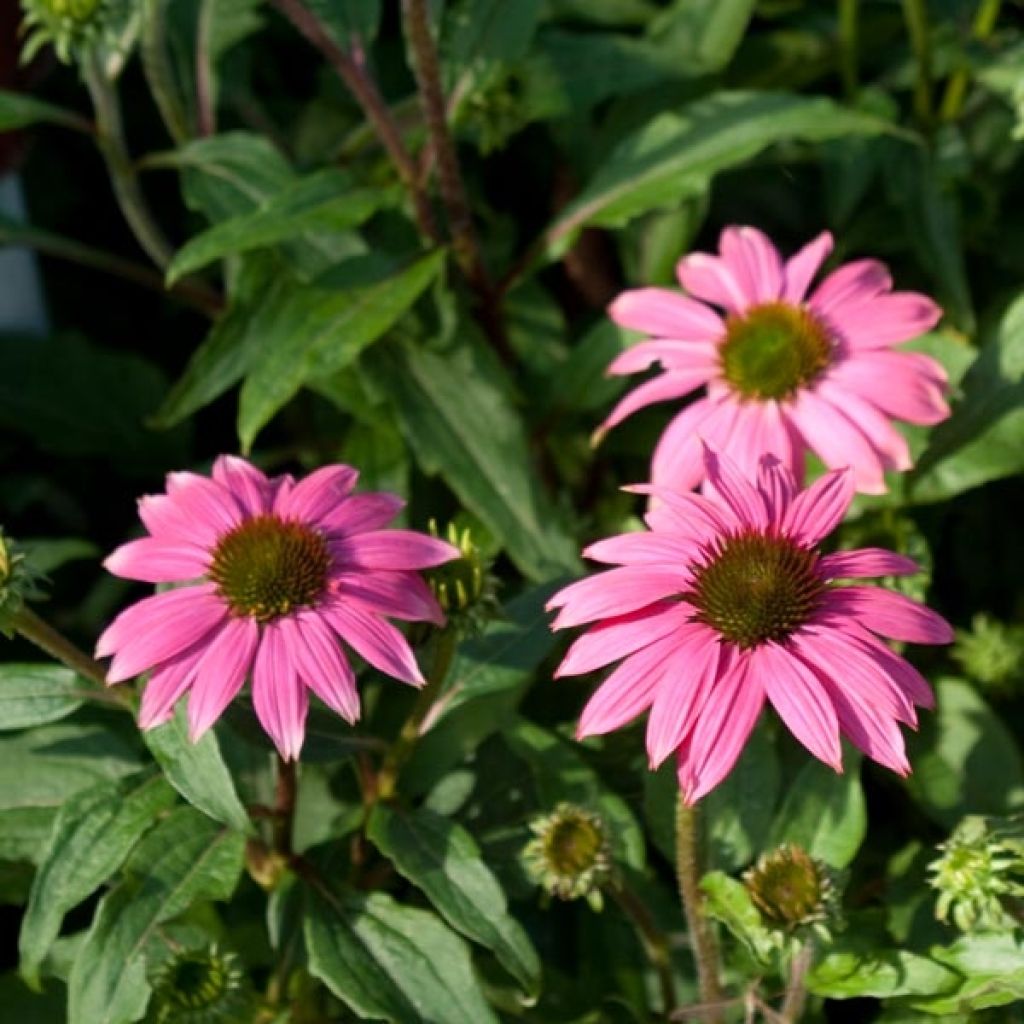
(389, 962)
(443, 859)
(197, 770)
(36, 694)
(187, 858)
(92, 835)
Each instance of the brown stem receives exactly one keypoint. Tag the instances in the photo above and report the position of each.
(702, 938)
(362, 86)
(796, 990)
(654, 942)
(284, 806)
(206, 114)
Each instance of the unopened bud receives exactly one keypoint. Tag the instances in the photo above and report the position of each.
(792, 890)
(569, 855)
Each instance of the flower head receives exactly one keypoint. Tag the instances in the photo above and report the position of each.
(784, 369)
(274, 572)
(792, 890)
(68, 24)
(202, 986)
(724, 602)
(569, 855)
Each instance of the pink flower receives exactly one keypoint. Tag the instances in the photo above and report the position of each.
(727, 601)
(784, 372)
(275, 572)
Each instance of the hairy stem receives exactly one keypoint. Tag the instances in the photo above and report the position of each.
(362, 86)
(110, 137)
(796, 989)
(705, 947)
(915, 13)
(956, 89)
(848, 46)
(206, 113)
(653, 939)
(408, 736)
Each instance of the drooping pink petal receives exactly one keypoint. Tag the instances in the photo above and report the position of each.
(202, 500)
(887, 320)
(723, 727)
(730, 487)
(801, 702)
(677, 461)
(906, 677)
(392, 549)
(761, 429)
(754, 262)
(278, 697)
(159, 627)
(889, 614)
(220, 673)
(866, 562)
(375, 640)
(166, 686)
(852, 284)
(362, 512)
(317, 495)
(777, 487)
(643, 548)
(673, 355)
(690, 516)
(663, 388)
(817, 511)
(616, 592)
(661, 313)
(157, 561)
(873, 424)
(621, 635)
(711, 278)
(801, 268)
(321, 663)
(401, 595)
(690, 673)
(251, 488)
(905, 385)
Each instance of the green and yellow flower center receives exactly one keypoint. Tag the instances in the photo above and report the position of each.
(773, 350)
(569, 855)
(268, 567)
(789, 887)
(756, 588)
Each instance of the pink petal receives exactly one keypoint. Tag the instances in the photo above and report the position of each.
(157, 561)
(890, 614)
(801, 268)
(727, 485)
(204, 501)
(665, 314)
(870, 562)
(817, 511)
(723, 727)
(677, 462)
(777, 487)
(321, 664)
(166, 686)
(393, 549)
(159, 627)
(902, 673)
(249, 486)
(852, 284)
(167, 521)
(643, 549)
(673, 355)
(618, 637)
(886, 319)
(663, 388)
(615, 592)
(906, 385)
(692, 517)
(220, 673)
(690, 672)
(316, 495)
(627, 692)
(711, 279)
(278, 697)
(754, 261)
(881, 434)
(375, 640)
(362, 512)
(402, 595)
(761, 429)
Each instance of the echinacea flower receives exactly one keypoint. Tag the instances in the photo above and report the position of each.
(784, 371)
(277, 571)
(725, 602)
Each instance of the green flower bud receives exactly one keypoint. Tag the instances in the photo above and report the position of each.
(992, 653)
(19, 582)
(980, 869)
(464, 587)
(202, 986)
(70, 26)
(793, 890)
(569, 855)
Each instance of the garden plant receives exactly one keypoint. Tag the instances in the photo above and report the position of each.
(511, 511)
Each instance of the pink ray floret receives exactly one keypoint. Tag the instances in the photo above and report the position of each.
(274, 577)
(724, 603)
(836, 396)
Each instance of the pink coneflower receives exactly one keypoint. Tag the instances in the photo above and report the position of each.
(784, 372)
(277, 572)
(726, 601)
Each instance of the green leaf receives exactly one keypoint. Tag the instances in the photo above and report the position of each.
(324, 201)
(36, 694)
(479, 33)
(351, 22)
(389, 962)
(676, 155)
(19, 110)
(993, 969)
(824, 812)
(197, 770)
(984, 438)
(92, 835)
(729, 902)
(48, 554)
(702, 35)
(186, 858)
(965, 759)
(443, 859)
(856, 971)
(223, 24)
(461, 424)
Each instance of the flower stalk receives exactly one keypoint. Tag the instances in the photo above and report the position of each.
(39, 632)
(651, 937)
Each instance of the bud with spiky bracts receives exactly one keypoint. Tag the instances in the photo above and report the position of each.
(992, 654)
(569, 855)
(72, 27)
(19, 582)
(464, 587)
(794, 891)
(980, 872)
(202, 986)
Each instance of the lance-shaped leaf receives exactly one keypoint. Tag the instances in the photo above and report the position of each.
(36, 694)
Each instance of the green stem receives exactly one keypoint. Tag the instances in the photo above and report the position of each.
(795, 1001)
(702, 938)
(915, 13)
(651, 937)
(110, 136)
(400, 751)
(159, 73)
(848, 46)
(956, 89)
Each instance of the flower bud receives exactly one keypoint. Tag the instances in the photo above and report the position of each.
(19, 582)
(569, 855)
(68, 25)
(463, 587)
(992, 654)
(793, 890)
(202, 986)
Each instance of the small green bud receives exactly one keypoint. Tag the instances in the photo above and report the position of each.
(68, 25)
(992, 654)
(793, 890)
(464, 588)
(569, 855)
(202, 986)
(19, 582)
(981, 867)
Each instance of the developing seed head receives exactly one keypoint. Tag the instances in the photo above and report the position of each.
(202, 986)
(792, 890)
(569, 855)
